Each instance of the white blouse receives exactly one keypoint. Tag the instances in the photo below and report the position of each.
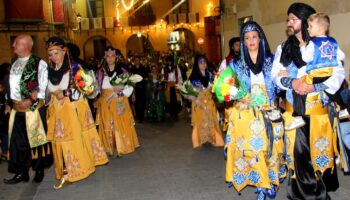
(63, 85)
(16, 72)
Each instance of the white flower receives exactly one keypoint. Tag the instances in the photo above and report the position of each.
(233, 91)
(118, 80)
(135, 78)
(88, 80)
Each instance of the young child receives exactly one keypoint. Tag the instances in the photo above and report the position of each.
(322, 55)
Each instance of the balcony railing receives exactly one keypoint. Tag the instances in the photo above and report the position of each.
(43, 27)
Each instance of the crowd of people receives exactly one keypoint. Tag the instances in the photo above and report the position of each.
(287, 126)
(73, 114)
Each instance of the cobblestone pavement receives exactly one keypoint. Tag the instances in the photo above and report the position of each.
(165, 167)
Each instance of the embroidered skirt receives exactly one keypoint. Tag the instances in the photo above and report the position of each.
(248, 147)
(116, 124)
(205, 122)
(310, 153)
(89, 132)
(66, 134)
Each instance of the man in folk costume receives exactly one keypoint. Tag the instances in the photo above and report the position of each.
(234, 45)
(310, 149)
(172, 76)
(28, 145)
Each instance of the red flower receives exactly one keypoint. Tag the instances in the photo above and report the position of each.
(231, 81)
(31, 85)
(77, 78)
(81, 84)
(227, 98)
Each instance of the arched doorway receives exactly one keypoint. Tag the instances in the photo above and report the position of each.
(95, 46)
(138, 44)
(183, 41)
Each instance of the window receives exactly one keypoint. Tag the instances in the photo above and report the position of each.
(95, 8)
(183, 8)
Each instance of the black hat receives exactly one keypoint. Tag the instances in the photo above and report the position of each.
(301, 10)
(55, 43)
(233, 40)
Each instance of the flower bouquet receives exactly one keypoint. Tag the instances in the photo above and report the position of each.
(188, 90)
(124, 83)
(125, 79)
(228, 87)
(84, 82)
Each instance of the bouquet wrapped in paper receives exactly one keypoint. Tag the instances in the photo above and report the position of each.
(84, 82)
(188, 90)
(228, 87)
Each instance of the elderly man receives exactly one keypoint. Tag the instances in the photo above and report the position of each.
(310, 149)
(27, 138)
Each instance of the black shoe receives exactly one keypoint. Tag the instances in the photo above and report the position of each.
(17, 178)
(39, 176)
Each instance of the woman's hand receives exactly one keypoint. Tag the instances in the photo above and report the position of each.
(60, 95)
(118, 88)
(283, 73)
(189, 97)
(247, 99)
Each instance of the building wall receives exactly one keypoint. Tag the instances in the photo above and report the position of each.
(158, 36)
(6, 52)
(2, 11)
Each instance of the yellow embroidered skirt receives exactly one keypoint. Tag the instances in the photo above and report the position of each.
(116, 124)
(247, 146)
(70, 152)
(205, 123)
(323, 138)
(90, 135)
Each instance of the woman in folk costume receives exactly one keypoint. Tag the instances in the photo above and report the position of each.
(205, 122)
(254, 144)
(71, 129)
(172, 76)
(114, 115)
(155, 99)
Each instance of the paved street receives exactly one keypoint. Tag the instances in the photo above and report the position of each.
(165, 167)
